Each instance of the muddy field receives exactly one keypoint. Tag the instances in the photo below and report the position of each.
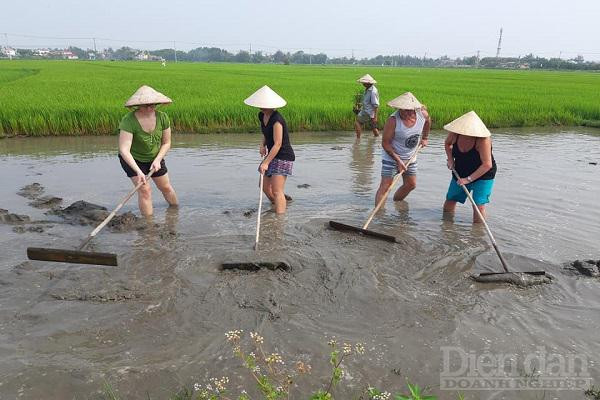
(157, 321)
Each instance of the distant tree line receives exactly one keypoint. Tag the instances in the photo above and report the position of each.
(214, 54)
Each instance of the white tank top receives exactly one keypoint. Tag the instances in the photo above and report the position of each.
(406, 139)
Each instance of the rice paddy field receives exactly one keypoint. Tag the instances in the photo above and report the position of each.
(86, 98)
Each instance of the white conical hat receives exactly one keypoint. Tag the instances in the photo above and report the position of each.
(406, 101)
(366, 79)
(469, 125)
(265, 97)
(147, 95)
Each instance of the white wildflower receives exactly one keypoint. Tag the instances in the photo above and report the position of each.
(359, 348)
(256, 337)
(274, 358)
(234, 336)
(347, 348)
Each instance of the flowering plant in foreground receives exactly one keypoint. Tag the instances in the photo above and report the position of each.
(274, 377)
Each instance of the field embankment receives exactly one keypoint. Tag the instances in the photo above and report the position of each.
(72, 98)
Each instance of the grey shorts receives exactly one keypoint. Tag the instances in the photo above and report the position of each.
(364, 118)
(390, 168)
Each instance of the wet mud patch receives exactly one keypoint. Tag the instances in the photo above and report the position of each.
(22, 223)
(85, 285)
(82, 212)
(32, 191)
(13, 219)
(258, 294)
(267, 305)
(51, 202)
(248, 213)
(589, 268)
(31, 229)
(118, 294)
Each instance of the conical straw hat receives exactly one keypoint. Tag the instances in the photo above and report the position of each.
(406, 101)
(265, 97)
(147, 95)
(469, 125)
(366, 79)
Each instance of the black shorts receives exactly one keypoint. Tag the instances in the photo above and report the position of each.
(144, 166)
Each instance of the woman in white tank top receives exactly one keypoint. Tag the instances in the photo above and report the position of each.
(404, 130)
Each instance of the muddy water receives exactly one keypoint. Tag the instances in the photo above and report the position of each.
(157, 321)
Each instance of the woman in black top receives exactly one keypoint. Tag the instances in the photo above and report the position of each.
(469, 150)
(276, 150)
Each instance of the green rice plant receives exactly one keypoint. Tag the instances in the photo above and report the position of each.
(358, 97)
(62, 97)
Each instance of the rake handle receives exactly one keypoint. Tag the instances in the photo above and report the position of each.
(260, 201)
(487, 228)
(114, 212)
(389, 189)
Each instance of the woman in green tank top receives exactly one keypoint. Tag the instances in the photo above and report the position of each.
(144, 139)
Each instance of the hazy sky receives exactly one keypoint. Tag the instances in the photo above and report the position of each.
(335, 27)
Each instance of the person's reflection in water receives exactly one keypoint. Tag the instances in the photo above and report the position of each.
(361, 166)
(156, 235)
(272, 230)
(403, 211)
(171, 221)
(447, 218)
(458, 234)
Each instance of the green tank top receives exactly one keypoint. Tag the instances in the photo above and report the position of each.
(145, 145)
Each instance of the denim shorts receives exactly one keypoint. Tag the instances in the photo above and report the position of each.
(481, 191)
(390, 168)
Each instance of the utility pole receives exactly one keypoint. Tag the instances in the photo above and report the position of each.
(477, 59)
(175, 50)
(9, 53)
(250, 48)
(310, 59)
(499, 44)
(95, 51)
(560, 55)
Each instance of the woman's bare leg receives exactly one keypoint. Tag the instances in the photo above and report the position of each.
(164, 185)
(144, 197)
(386, 182)
(268, 187)
(277, 187)
(409, 183)
(476, 219)
(449, 208)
